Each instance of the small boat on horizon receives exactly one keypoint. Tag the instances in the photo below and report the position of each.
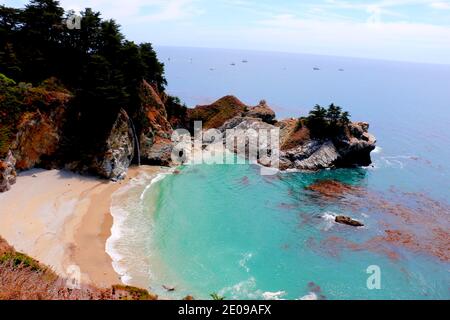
(244, 61)
(316, 69)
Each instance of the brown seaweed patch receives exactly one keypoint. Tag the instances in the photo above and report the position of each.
(332, 188)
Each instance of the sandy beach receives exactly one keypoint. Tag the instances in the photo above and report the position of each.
(63, 219)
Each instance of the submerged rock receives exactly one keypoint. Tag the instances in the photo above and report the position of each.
(168, 288)
(348, 221)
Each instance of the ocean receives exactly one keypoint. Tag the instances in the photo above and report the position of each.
(226, 229)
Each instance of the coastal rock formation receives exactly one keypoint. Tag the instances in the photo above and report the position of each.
(217, 113)
(261, 111)
(348, 221)
(355, 147)
(7, 172)
(313, 155)
(155, 143)
(119, 152)
(245, 123)
(301, 151)
(47, 136)
(159, 153)
(37, 138)
(350, 148)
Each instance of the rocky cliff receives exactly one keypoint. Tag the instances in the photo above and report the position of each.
(49, 131)
(120, 146)
(350, 146)
(41, 137)
(45, 131)
(7, 172)
(155, 143)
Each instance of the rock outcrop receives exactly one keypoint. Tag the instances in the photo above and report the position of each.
(355, 148)
(348, 221)
(40, 138)
(217, 113)
(119, 153)
(351, 147)
(155, 138)
(37, 138)
(261, 111)
(313, 155)
(7, 172)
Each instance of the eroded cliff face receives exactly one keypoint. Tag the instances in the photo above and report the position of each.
(120, 145)
(42, 136)
(37, 138)
(146, 138)
(7, 172)
(300, 150)
(349, 149)
(155, 137)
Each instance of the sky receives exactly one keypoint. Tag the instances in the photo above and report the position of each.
(405, 30)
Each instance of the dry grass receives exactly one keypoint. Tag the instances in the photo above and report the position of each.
(24, 278)
(293, 133)
(217, 113)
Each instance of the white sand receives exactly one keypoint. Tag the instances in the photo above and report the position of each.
(63, 219)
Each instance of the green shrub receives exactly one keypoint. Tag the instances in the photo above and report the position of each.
(215, 296)
(21, 260)
(132, 293)
(5, 139)
(327, 122)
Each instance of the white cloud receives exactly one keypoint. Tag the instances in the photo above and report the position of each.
(440, 5)
(394, 40)
(137, 11)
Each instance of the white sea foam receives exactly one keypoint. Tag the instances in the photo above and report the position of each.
(247, 290)
(243, 290)
(273, 295)
(310, 296)
(243, 262)
(329, 218)
(377, 149)
(159, 177)
(120, 213)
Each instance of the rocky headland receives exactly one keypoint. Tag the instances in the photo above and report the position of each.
(40, 136)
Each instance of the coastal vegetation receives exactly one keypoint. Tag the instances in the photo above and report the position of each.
(216, 296)
(90, 101)
(24, 278)
(325, 122)
(96, 63)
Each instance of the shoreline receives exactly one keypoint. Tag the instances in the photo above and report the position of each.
(133, 266)
(63, 219)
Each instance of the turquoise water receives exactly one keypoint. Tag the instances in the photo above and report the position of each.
(233, 231)
(227, 229)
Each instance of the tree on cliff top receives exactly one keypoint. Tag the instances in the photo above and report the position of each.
(98, 65)
(325, 123)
